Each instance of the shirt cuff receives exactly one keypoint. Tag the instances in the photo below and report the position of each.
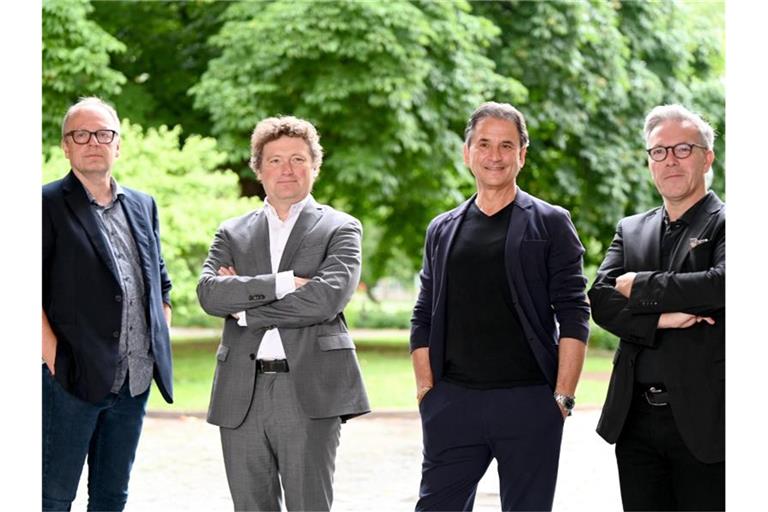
(241, 321)
(284, 284)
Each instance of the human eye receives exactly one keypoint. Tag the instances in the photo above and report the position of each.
(104, 136)
(682, 150)
(81, 135)
(658, 153)
(298, 160)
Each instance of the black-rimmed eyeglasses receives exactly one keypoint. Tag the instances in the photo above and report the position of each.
(84, 136)
(681, 151)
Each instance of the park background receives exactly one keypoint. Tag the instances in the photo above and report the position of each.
(22, 37)
(389, 86)
(746, 85)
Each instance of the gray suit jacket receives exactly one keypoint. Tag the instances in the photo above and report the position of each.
(325, 244)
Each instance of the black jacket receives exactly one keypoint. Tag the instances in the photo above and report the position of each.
(693, 358)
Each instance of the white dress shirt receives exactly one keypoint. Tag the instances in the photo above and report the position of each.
(279, 230)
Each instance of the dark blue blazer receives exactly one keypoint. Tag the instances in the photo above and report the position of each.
(543, 256)
(82, 295)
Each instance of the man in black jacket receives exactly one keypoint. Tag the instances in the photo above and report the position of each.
(661, 289)
(106, 313)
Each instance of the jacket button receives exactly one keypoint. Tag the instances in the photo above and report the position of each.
(115, 334)
(259, 297)
(118, 298)
(252, 356)
(251, 297)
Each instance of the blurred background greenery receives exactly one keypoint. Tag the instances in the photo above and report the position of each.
(389, 86)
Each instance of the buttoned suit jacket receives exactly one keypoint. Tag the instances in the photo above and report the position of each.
(82, 296)
(543, 258)
(324, 245)
(693, 359)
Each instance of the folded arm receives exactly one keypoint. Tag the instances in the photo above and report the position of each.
(696, 293)
(325, 294)
(610, 308)
(224, 295)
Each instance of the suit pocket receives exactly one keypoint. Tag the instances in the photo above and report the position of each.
(341, 341)
(222, 352)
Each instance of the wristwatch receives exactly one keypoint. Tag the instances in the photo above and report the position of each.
(566, 401)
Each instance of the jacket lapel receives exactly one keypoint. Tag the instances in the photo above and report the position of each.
(645, 245)
(140, 230)
(77, 201)
(259, 245)
(308, 217)
(518, 222)
(696, 230)
(443, 246)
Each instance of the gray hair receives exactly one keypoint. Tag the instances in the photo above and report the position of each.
(272, 128)
(676, 112)
(497, 111)
(89, 101)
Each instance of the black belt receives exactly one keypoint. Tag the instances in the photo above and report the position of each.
(272, 366)
(655, 394)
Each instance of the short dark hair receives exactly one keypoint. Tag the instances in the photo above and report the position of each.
(498, 111)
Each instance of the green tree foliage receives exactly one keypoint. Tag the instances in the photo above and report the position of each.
(76, 54)
(389, 86)
(593, 70)
(192, 200)
(167, 51)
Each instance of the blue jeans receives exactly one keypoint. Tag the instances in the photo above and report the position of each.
(107, 432)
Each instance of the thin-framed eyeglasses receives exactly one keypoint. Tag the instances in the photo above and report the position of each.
(681, 151)
(84, 136)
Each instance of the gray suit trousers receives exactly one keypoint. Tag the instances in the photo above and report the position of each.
(277, 443)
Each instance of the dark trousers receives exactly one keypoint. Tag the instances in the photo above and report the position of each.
(656, 469)
(106, 432)
(463, 429)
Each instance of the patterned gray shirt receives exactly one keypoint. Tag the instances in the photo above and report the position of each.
(134, 357)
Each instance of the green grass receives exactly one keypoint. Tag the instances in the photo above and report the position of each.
(385, 363)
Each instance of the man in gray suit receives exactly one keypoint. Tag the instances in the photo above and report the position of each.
(287, 374)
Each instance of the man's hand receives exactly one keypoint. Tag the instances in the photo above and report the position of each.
(227, 271)
(168, 314)
(49, 345)
(624, 283)
(224, 272)
(422, 371)
(681, 320)
(300, 281)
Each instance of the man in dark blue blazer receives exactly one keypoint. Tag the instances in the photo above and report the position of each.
(106, 314)
(499, 329)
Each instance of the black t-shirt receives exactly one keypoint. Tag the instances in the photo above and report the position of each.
(485, 344)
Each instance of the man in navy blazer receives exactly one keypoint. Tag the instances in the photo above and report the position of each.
(106, 314)
(499, 329)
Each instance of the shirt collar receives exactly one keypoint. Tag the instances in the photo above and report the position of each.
(294, 210)
(116, 189)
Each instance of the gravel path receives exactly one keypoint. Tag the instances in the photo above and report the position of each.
(179, 467)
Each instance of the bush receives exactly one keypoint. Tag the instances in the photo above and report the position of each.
(192, 200)
(601, 339)
(362, 313)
